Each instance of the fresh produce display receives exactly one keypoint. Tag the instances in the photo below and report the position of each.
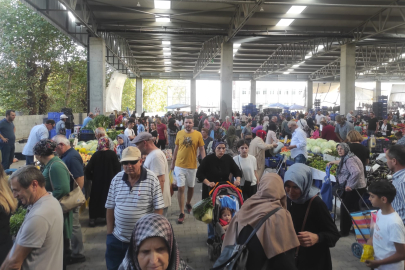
(202, 210)
(85, 157)
(318, 163)
(16, 220)
(112, 133)
(321, 146)
(98, 121)
(285, 151)
(379, 174)
(89, 147)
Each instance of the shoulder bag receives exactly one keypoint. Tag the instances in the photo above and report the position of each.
(74, 199)
(235, 257)
(303, 227)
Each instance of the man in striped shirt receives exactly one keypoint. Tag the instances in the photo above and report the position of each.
(396, 163)
(133, 193)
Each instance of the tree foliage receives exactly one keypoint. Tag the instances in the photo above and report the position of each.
(40, 68)
(128, 95)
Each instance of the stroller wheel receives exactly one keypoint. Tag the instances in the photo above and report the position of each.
(357, 250)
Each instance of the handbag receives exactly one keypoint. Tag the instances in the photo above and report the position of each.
(235, 257)
(74, 199)
(303, 227)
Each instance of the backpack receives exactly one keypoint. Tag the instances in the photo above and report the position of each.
(235, 257)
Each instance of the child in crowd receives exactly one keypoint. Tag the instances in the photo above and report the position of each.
(225, 217)
(389, 232)
(358, 128)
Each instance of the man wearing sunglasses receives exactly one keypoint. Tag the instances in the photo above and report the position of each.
(156, 162)
(133, 193)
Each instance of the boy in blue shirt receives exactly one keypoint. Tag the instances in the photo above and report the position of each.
(389, 232)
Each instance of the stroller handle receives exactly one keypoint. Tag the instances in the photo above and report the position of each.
(222, 183)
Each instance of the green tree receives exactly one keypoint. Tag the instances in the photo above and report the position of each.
(154, 95)
(32, 51)
(128, 95)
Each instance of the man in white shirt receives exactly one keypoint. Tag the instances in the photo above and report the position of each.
(318, 117)
(156, 162)
(129, 132)
(349, 117)
(37, 133)
(298, 143)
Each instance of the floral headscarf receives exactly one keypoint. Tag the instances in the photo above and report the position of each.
(103, 144)
(44, 147)
(152, 225)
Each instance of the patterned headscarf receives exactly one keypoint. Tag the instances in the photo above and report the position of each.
(216, 143)
(152, 225)
(262, 134)
(44, 147)
(343, 159)
(207, 124)
(103, 144)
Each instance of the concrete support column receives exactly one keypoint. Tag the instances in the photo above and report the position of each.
(97, 87)
(377, 91)
(253, 91)
(226, 79)
(193, 95)
(138, 97)
(347, 78)
(309, 95)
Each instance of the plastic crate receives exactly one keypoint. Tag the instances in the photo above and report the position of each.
(86, 137)
(68, 132)
(52, 115)
(86, 131)
(272, 162)
(52, 133)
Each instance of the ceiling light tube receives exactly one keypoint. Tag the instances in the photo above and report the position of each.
(296, 9)
(284, 22)
(162, 4)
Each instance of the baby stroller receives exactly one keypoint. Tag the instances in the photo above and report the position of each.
(224, 194)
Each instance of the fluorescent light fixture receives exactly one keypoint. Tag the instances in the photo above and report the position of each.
(164, 42)
(235, 50)
(286, 72)
(284, 22)
(295, 66)
(162, 4)
(168, 62)
(166, 49)
(290, 70)
(320, 47)
(361, 73)
(295, 9)
(167, 53)
(236, 45)
(162, 19)
(309, 55)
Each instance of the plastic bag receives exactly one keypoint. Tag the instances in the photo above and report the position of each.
(171, 177)
(368, 253)
(203, 210)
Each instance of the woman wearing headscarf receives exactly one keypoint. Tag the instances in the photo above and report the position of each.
(319, 232)
(258, 149)
(101, 169)
(122, 143)
(350, 176)
(232, 141)
(57, 181)
(172, 133)
(216, 168)
(275, 241)
(154, 234)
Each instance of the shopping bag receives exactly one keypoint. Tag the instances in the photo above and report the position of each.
(326, 190)
(202, 210)
(171, 177)
(368, 253)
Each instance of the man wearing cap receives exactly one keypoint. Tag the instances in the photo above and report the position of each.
(60, 126)
(184, 163)
(133, 193)
(156, 162)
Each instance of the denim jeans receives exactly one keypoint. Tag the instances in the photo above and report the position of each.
(211, 232)
(370, 132)
(7, 154)
(115, 252)
(29, 160)
(300, 159)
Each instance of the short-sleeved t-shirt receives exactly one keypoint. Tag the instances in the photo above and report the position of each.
(74, 162)
(156, 162)
(388, 230)
(42, 230)
(248, 166)
(7, 130)
(343, 130)
(187, 152)
(161, 131)
(372, 124)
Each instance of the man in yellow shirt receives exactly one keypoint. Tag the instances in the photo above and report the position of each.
(184, 164)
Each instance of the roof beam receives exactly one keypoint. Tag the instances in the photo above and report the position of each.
(278, 61)
(209, 50)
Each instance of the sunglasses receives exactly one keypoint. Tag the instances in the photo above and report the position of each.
(129, 162)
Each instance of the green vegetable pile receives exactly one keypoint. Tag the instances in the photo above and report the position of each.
(112, 134)
(99, 121)
(318, 163)
(202, 210)
(16, 220)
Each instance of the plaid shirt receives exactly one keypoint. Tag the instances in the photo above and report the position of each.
(399, 201)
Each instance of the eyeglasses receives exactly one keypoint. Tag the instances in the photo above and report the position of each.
(126, 163)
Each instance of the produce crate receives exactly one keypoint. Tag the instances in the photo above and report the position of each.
(86, 137)
(68, 132)
(272, 162)
(327, 157)
(86, 131)
(52, 133)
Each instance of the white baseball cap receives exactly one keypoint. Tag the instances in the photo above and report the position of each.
(63, 116)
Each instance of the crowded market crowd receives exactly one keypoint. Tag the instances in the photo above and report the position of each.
(132, 189)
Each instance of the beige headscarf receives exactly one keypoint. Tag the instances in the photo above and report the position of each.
(277, 234)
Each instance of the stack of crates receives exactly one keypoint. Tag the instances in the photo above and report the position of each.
(324, 110)
(250, 108)
(55, 116)
(384, 101)
(317, 105)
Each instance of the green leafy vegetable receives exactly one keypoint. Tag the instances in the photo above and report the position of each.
(16, 220)
(99, 121)
(112, 134)
(201, 208)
